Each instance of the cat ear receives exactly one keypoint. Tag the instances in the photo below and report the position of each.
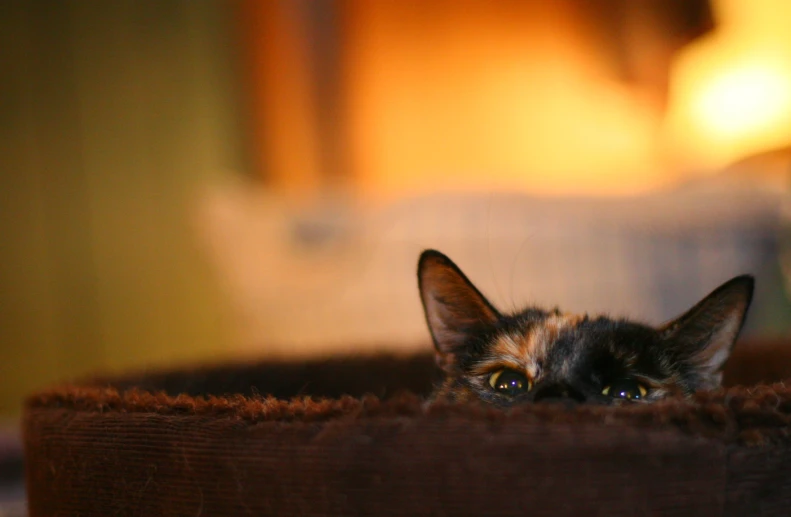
(454, 308)
(704, 335)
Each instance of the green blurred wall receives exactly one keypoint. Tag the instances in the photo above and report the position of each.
(112, 114)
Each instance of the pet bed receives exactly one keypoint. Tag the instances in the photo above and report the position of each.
(351, 436)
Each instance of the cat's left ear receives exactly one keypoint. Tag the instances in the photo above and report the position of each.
(704, 335)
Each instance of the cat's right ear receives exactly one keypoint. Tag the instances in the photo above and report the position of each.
(455, 310)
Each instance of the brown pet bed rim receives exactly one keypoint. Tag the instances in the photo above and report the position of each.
(751, 416)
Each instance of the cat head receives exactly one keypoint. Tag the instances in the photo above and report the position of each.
(536, 354)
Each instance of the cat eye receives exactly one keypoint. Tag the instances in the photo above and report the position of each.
(625, 388)
(510, 382)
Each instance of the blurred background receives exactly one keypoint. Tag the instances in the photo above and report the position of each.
(189, 181)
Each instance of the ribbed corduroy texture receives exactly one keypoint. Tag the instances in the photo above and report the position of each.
(136, 447)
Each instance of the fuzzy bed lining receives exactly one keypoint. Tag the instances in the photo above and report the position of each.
(353, 436)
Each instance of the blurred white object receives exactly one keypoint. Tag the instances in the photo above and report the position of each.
(343, 278)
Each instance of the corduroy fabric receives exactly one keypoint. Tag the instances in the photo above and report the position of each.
(303, 438)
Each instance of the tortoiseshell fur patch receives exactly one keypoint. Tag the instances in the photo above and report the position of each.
(568, 349)
(572, 356)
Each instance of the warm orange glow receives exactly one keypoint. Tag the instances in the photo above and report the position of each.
(490, 96)
(742, 101)
(485, 96)
(731, 92)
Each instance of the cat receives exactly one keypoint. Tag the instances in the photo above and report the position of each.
(538, 355)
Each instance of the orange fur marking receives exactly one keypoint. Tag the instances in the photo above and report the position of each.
(527, 351)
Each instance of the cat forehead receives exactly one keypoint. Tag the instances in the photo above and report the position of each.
(532, 337)
(540, 337)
